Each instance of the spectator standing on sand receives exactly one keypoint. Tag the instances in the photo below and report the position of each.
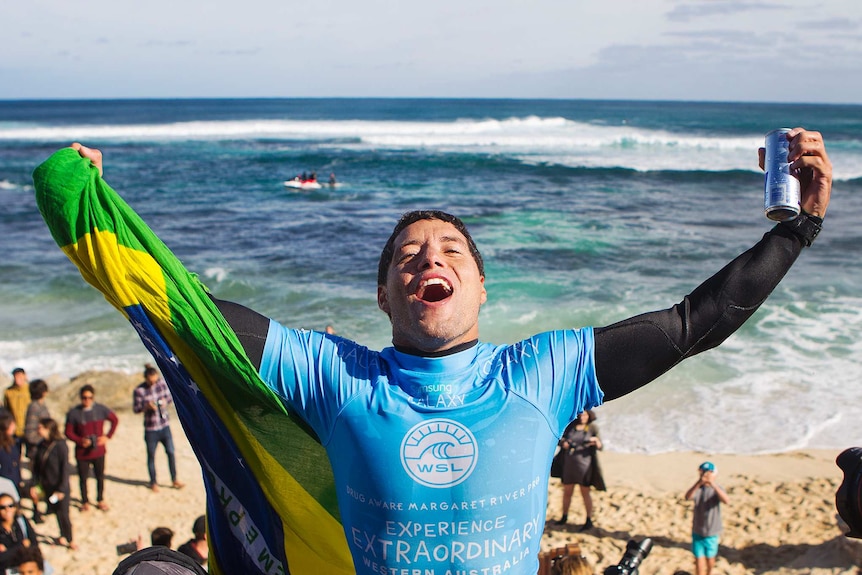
(16, 399)
(85, 426)
(152, 398)
(36, 412)
(706, 524)
(51, 473)
(10, 453)
(579, 464)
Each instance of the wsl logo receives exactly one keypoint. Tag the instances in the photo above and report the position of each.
(439, 453)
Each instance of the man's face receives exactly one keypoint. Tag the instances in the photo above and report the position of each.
(20, 378)
(151, 379)
(433, 288)
(87, 398)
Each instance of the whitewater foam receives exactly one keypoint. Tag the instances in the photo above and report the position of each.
(533, 139)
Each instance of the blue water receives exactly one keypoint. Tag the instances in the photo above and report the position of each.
(586, 212)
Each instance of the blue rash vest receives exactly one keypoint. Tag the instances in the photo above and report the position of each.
(441, 464)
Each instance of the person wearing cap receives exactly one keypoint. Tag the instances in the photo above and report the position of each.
(158, 560)
(706, 524)
(197, 547)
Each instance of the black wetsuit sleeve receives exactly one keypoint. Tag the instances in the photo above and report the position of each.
(633, 352)
(248, 325)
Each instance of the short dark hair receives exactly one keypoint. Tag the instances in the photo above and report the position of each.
(27, 554)
(85, 388)
(162, 536)
(200, 525)
(413, 217)
(150, 370)
(38, 388)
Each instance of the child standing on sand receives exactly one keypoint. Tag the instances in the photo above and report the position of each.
(706, 525)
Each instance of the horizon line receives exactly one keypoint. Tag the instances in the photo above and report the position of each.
(439, 98)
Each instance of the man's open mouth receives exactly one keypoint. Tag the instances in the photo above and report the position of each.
(434, 290)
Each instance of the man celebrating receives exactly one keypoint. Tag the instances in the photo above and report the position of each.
(440, 445)
(152, 398)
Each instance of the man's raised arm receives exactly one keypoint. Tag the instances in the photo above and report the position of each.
(248, 444)
(249, 326)
(633, 352)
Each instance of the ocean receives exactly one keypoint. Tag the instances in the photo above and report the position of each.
(586, 212)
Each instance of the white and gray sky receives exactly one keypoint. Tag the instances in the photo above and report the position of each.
(779, 51)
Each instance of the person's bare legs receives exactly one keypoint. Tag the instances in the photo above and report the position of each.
(568, 490)
(588, 500)
(701, 566)
(588, 507)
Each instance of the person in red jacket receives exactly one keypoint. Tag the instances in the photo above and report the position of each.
(85, 426)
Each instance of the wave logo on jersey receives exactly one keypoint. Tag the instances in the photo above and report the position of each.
(439, 453)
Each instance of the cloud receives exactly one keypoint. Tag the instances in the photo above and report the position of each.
(167, 43)
(674, 49)
(689, 12)
(832, 24)
(239, 52)
(706, 67)
(726, 37)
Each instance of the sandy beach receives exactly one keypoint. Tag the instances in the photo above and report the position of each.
(781, 519)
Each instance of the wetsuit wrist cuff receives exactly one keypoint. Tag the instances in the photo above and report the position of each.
(805, 226)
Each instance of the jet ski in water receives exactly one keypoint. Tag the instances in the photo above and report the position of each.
(299, 183)
(303, 181)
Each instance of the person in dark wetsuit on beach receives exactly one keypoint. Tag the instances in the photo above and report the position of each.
(453, 437)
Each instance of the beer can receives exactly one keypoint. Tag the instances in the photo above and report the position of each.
(781, 187)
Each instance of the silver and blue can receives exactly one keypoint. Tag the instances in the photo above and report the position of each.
(781, 187)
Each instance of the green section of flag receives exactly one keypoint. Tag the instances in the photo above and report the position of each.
(75, 202)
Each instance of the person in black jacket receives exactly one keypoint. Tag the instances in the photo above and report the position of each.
(15, 532)
(197, 548)
(10, 452)
(51, 473)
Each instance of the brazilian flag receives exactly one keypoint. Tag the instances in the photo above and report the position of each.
(271, 505)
